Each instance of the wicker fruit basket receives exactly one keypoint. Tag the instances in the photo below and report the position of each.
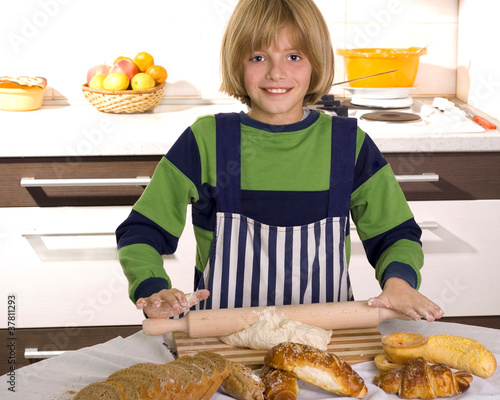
(124, 101)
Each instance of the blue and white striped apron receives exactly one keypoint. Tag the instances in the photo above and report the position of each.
(254, 264)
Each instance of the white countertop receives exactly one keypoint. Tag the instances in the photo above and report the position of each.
(80, 130)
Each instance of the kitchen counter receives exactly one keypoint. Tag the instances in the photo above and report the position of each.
(61, 377)
(58, 130)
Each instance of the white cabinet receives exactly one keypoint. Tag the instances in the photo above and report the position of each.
(61, 264)
(461, 271)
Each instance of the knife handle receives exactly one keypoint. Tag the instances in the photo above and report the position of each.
(484, 122)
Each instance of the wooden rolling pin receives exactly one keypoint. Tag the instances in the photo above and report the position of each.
(207, 323)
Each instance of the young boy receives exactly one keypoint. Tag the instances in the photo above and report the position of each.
(271, 190)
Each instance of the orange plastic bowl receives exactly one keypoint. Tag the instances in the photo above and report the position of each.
(362, 62)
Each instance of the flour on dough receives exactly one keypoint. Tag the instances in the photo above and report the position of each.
(272, 329)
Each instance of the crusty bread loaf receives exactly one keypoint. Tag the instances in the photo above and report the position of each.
(243, 383)
(132, 388)
(221, 363)
(101, 390)
(188, 378)
(278, 384)
(418, 380)
(213, 374)
(149, 381)
(200, 380)
(316, 366)
(461, 353)
(168, 381)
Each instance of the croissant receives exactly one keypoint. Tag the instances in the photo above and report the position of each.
(418, 380)
(279, 385)
(316, 366)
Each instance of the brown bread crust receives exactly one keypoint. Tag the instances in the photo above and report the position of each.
(279, 385)
(418, 380)
(318, 367)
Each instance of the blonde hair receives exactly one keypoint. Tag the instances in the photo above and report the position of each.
(255, 25)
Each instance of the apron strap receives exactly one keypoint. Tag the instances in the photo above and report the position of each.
(344, 132)
(228, 146)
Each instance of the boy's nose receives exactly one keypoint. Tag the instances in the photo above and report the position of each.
(276, 71)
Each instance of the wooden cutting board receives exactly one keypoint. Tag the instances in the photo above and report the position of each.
(351, 345)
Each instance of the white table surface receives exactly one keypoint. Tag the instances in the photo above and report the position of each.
(59, 378)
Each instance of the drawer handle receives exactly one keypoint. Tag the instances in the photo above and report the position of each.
(32, 182)
(427, 177)
(33, 353)
(63, 234)
(422, 225)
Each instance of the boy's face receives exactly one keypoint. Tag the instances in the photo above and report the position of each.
(277, 80)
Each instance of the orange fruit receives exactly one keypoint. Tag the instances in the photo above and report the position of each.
(143, 61)
(158, 73)
(121, 58)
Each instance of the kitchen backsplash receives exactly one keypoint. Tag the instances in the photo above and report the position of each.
(61, 39)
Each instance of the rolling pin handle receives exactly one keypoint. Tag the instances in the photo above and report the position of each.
(158, 327)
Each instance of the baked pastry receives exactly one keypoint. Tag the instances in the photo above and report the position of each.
(37, 81)
(316, 366)
(461, 353)
(403, 346)
(383, 363)
(243, 383)
(455, 351)
(418, 380)
(278, 384)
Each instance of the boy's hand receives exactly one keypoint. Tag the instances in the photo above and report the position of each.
(399, 296)
(170, 302)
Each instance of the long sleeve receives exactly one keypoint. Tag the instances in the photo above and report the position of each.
(154, 226)
(383, 219)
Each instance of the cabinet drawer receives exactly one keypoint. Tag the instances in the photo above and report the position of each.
(462, 176)
(84, 170)
(45, 342)
(461, 252)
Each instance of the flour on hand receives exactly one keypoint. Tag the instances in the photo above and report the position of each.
(272, 329)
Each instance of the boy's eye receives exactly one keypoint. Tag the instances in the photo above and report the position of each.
(258, 58)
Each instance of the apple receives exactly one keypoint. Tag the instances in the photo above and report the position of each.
(102, 69)
(126, 66)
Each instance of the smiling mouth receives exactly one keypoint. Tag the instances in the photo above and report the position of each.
(276, 90)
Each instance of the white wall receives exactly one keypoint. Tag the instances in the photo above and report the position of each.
(61, 39)
(478, 72)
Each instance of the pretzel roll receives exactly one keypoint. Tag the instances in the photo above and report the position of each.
(279, 385)
(317, 367)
